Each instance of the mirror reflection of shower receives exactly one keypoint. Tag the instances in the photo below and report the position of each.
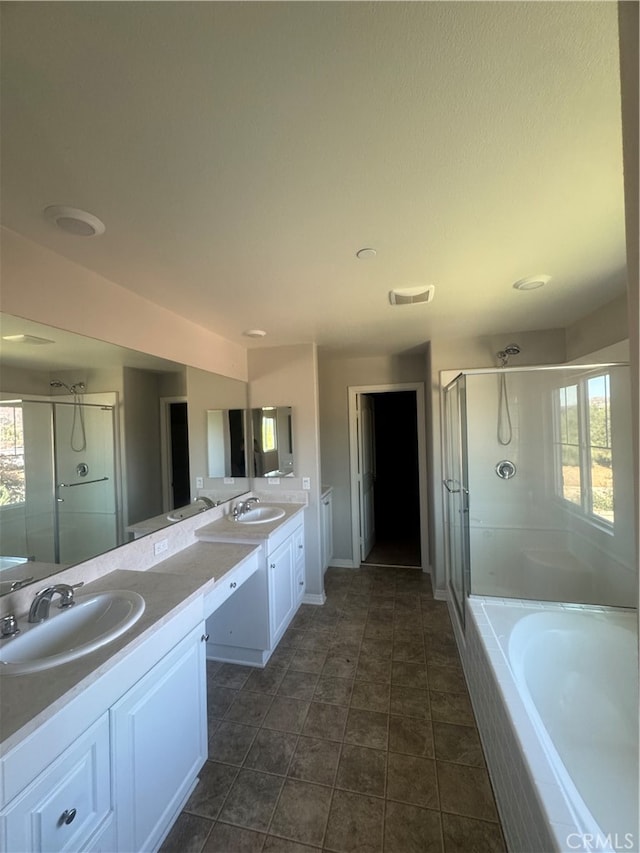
(505, 428)
(78, 436)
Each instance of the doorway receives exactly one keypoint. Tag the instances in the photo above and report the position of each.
(388, 475)
(176, 480)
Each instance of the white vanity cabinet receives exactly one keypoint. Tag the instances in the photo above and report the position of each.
(247, 627)
(111, 770)
(68, 803)
(159, 743)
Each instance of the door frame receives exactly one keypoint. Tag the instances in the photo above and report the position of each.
(354, 391)
(166, 465)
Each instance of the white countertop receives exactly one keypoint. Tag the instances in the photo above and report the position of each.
(26, 701)
(230, 530)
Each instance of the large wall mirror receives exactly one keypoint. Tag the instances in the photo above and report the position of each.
(272, 433)
(98, 444)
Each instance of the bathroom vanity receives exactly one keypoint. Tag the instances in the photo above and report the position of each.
(102, 752)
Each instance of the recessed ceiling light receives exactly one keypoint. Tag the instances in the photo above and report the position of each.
(364, 254)
(74, 221)
(254, 333)
(26, 339)
(532, 282)
(411, 295)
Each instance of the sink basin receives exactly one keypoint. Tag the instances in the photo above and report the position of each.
(261, 514)
(93, 621)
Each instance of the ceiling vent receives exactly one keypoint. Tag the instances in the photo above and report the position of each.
(411, 295)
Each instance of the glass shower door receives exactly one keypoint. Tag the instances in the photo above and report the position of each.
(456, 494)
(85, 481)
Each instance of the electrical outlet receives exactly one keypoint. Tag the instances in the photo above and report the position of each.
(273, 481)
(229, 481)
(160, 547)
(306, 483)
(199, 482)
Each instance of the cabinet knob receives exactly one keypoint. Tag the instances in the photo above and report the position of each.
(67, 817)
(300, 583)
(300, 547)
(273, 565)
(204, 638)
(233, 585)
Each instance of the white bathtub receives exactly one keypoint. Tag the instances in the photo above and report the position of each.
(568, 676)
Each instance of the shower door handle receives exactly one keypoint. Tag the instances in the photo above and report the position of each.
(450, 489)
(84, 483)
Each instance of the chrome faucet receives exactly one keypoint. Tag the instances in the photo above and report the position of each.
(208, 503)
(243, 506)
(39, 610)
(250, 502)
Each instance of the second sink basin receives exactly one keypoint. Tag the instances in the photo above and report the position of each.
(261, 514)
(93, 621)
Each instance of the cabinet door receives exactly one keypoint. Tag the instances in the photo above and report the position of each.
(281, 596)
(159, 742)
(66, 803)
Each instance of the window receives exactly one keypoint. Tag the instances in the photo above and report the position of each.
(12, 487)
(583, 446)
(269, 442)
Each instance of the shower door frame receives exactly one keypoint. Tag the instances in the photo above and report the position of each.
(456, 495)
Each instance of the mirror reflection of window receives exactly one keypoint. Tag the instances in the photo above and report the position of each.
(12, 480)
(269, 434)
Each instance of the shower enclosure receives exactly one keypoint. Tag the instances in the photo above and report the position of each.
(58, 493)
(538, 491)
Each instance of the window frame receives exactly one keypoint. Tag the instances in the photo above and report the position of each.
(584, 509)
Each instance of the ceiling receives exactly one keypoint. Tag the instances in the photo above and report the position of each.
(240, 154)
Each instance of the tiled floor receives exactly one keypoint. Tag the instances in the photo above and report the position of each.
(357, 736)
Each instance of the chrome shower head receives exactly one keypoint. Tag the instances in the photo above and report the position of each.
(503, 355)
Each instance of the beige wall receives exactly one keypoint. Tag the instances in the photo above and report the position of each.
(336, 374)
(288, 376)
(43, 286)
(602, 328)
(544, 347)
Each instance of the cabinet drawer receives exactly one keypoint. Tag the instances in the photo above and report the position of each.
(231, 582)
(67, 802)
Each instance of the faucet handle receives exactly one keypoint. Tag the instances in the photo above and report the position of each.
(9, 626)
(66, 593)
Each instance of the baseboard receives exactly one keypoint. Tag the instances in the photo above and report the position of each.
(237, 655)
(343, 564)
(440, 595)
(313, 598)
